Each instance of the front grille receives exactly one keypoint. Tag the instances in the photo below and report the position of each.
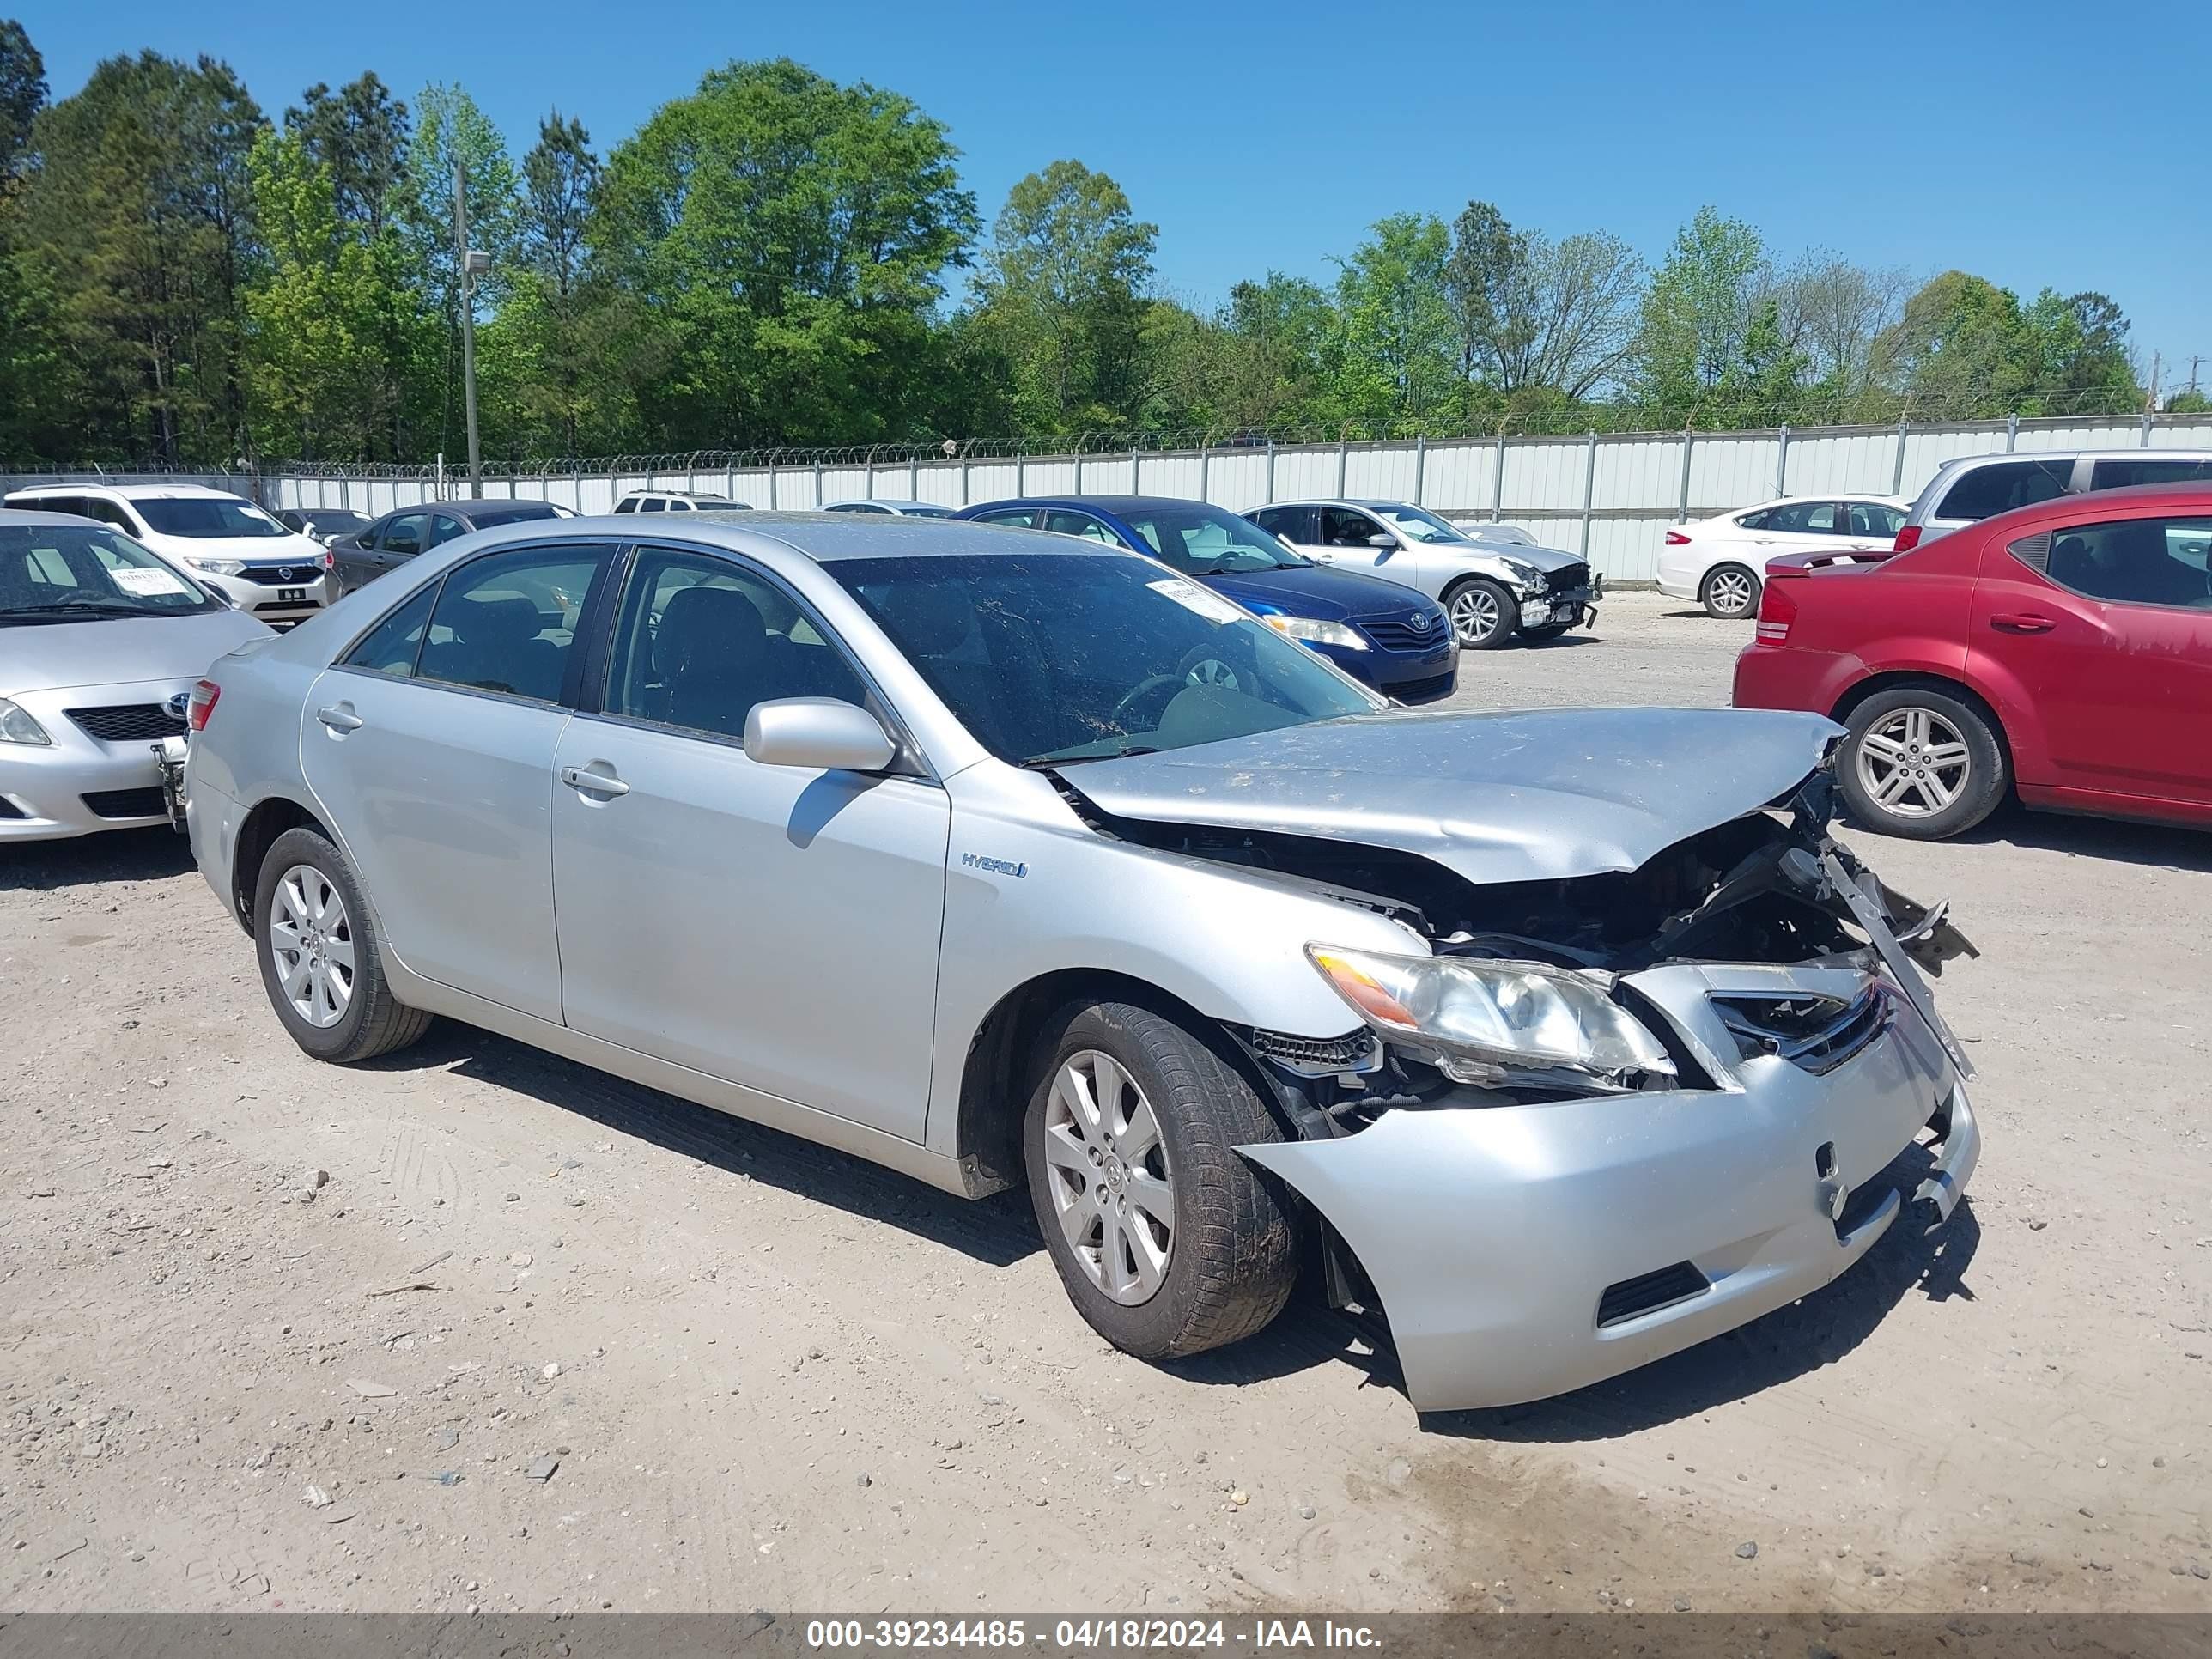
(1634, 1297)
(1425, 635)
(1814, 1033)
(1316, 1056)
(280, 575)
(145, 803)
(1437, 685)
(1567, 579)
(128, 722)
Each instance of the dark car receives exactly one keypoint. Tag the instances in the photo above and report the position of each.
(326, 524)
(398, 537)
(1379, 632)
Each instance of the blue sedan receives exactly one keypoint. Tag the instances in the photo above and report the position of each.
(1379, 632)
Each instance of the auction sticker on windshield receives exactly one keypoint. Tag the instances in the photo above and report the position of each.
(144, 582)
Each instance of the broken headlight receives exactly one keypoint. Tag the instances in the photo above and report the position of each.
(1480, 1019)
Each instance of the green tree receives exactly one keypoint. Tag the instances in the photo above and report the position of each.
(1698, 314)
(1536, 315)
(1277, 332)
(139, 219)
(360, 134)
(318, 317)
(1062, 287)
(557, 320)
(2083, 364)
(1394, 357)
(1961, 349)
(775, 245)
(22, 92)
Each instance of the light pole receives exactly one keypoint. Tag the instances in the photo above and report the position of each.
(473, 263)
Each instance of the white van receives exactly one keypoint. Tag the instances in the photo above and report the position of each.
(226, 542)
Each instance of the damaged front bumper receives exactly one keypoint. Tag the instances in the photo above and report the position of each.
(1522, 1250)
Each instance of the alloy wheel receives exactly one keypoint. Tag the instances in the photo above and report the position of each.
(1730, 592)
(311, 944)
(1475, 615)
(1913, 763)
(1107, 1169)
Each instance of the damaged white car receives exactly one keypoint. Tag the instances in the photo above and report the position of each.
(1562, 1041)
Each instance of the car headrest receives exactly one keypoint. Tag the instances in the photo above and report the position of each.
(501, 624)
(706, 624)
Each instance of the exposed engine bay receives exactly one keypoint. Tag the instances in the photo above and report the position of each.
(1770, 887)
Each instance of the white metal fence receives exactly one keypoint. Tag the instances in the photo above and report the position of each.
(1607, 496)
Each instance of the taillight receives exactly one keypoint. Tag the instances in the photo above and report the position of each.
(1777, 608)
(329, 561)
(1676, 538)
(1907, 539)
(202, 704)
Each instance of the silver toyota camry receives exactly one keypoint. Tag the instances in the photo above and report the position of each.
(101, 642)
(1561, 1041)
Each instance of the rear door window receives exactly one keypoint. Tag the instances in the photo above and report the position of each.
(1026, 517)
(1982, 492)
(404, 535)
(2161, 561)
(2147, 470)
(507, 622)
(1292, 523)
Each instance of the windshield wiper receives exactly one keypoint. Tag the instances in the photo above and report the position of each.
(1045, 763)
(78, 608)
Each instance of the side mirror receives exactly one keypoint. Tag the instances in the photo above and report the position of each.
(818, 733)
(1382, 538)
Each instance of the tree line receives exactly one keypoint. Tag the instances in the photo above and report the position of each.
(777, 259)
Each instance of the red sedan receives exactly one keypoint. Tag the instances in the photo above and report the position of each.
(2062, 652)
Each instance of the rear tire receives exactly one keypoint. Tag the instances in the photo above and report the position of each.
(1132, 1116)
(1484, 616)
(321, 961)
(1921, 763)
(1730, 592)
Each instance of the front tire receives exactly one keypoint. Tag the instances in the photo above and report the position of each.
(1730, 592)
(1921, 763)
(1484, 615)
(1168, 1242)
(321, 962)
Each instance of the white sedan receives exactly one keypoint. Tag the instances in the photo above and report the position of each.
(1719, 562)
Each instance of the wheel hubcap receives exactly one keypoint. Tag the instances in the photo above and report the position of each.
(1731, 592)
(310, 946)
(1107, 1169)
(1474, 615)
(1913, 763)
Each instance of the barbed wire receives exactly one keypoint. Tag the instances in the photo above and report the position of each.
(1715, 417)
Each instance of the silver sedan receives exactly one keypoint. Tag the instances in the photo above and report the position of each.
(1003, 859)
(100, 644)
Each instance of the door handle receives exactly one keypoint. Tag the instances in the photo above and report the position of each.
(2022, 622)
(339, 717)
(597, 783)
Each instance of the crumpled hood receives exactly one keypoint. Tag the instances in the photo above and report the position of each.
(123, 651)
(1544, 558)
(1530, 796)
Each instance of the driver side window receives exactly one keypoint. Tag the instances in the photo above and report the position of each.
(1342, 527)
(701, 640)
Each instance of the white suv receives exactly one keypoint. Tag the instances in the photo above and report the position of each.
(227, 544)
(1975, 487)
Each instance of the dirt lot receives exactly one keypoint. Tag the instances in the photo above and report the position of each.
(548, 1342)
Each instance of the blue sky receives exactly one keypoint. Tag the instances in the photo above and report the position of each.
(2032, 143)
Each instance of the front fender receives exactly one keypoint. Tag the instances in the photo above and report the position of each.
(1031, 891)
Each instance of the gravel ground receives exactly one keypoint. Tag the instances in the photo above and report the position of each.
(544, 1340)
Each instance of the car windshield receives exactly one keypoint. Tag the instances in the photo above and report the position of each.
(1208, 541)
(1420, 526)
(1051, 658)
(205, 516)
(58, 573)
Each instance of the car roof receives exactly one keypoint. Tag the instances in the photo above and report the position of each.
(28, 516)
(2132, 452)
(1101, 503)
(1824, 496)
(822, 538)
(131, 492)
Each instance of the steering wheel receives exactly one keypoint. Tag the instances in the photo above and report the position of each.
(1205, 665)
